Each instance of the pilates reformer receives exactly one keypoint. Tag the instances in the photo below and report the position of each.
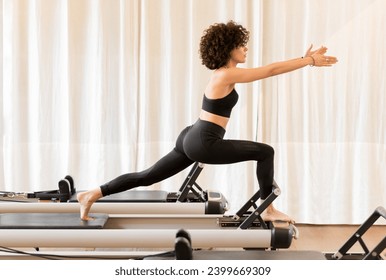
(66, 230)
(144, 231)
(184, 249)
(194, 199)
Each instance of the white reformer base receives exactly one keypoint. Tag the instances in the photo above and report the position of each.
(133, 238)
(140, 231)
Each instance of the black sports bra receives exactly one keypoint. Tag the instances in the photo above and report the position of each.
(221, 106)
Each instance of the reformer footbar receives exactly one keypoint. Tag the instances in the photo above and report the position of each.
(190, 185)
(245, 218)
(258, 210)
(374, 254)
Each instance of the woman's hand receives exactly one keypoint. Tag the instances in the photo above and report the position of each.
(319, 59)
(310, 52)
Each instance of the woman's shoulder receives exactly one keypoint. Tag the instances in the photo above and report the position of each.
(222, 76)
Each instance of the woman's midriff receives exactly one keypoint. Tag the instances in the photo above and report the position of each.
(209, 117)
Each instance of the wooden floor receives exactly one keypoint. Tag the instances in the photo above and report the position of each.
(329, 238)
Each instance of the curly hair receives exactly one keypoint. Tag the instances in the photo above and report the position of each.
(219, 40)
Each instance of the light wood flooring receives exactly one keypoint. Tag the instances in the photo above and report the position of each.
(330, 238)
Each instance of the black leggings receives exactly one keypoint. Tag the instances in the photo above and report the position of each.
(202, 142)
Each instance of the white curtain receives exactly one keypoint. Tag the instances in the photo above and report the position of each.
(95, 89)
(328, 125)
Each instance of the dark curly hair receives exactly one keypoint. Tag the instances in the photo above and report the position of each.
(219, 40)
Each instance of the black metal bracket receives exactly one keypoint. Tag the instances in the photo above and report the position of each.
(257, 210)
(190, 186)
(374, 254)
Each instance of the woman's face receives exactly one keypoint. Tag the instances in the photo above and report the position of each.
(239, 54)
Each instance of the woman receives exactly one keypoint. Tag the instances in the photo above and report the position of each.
(222, 48)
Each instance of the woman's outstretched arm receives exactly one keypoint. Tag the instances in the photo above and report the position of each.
(246, 75)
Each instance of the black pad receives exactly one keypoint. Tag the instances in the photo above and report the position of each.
(133, 196)
(50, 221)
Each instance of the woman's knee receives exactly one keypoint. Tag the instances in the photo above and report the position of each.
(266, 151)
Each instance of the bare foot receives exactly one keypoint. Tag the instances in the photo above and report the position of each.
(86, 200)
(271, 214)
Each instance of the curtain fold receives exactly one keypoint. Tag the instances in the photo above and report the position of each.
(95, 89)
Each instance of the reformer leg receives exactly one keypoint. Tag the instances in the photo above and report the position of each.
(258, 210)
(357, 237)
